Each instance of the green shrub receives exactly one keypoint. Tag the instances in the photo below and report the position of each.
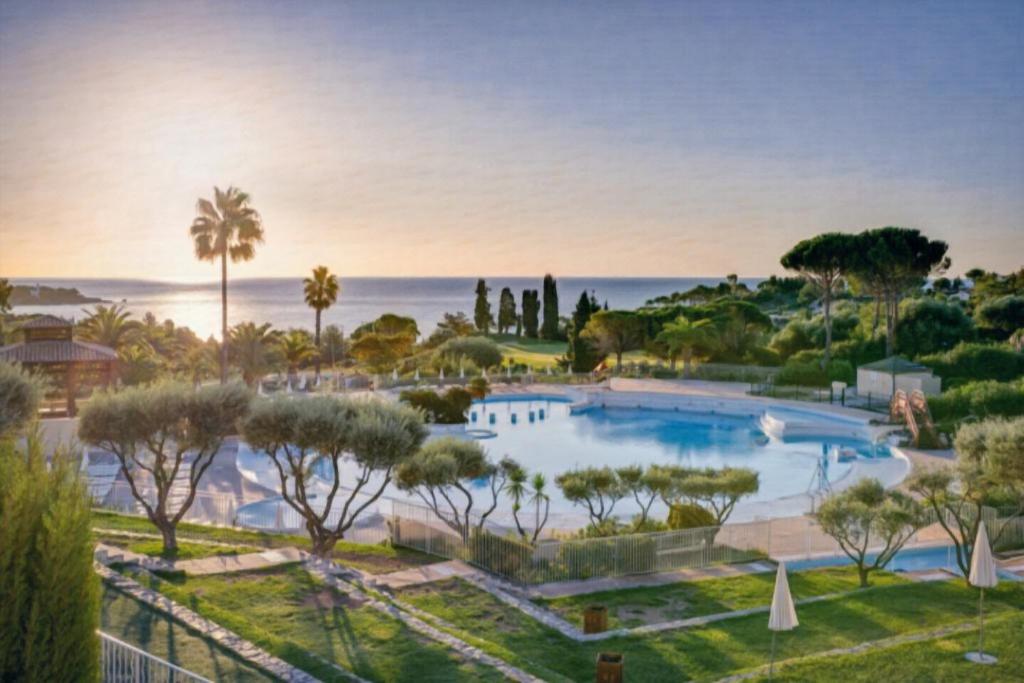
(810, 373)
(502, 555)
(975, 362)
(447, 408)
(48, 589)
(689, 516)
(979, 399)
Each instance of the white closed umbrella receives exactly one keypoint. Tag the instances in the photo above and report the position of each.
(508, 371)
(417, 375)
(462, 371)
(440, 374)
(394, 375)
(547, 370)
(782, 616)
(983, 575)
(259, 387)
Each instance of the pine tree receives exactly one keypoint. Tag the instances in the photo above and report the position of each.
(482, 310)
(531, 311)
(506, 311)
(549, 330)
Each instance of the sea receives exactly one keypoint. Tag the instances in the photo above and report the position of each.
(279, 301)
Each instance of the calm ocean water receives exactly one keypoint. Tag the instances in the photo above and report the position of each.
(280, 302)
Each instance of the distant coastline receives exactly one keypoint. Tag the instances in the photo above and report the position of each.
(39, 295)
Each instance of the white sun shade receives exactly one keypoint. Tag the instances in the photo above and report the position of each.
(783, 615)
(983, 566)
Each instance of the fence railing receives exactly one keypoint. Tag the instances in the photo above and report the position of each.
(124, 663)
(499, 550)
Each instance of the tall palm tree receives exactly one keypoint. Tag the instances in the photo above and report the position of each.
(684, 339)
(109, 326)
(226, 226)
(321, 291)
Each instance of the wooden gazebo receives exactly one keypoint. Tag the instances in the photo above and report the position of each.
(50, 350)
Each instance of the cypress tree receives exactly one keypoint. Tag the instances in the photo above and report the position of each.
(581, 354)
(549, 329)
(531, 311)
(506, 311)
(482, 310)
(48, 588)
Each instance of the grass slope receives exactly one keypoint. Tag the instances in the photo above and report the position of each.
(690, 599)
(158, 634)
(718, 649)
(375, 559)
(288, 613)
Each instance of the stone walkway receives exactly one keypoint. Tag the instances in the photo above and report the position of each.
(563, 589)
(418, 575)
(220, 635)
(328, 573)
(222, 564)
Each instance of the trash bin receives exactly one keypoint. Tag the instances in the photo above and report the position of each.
(609, 667)
(595, 619)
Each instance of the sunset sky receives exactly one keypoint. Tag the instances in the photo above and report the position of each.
(511, 138)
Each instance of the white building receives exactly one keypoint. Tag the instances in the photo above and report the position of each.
(877, 379)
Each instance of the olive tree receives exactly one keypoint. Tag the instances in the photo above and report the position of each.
(715, 490)
(989, 471)
(870, 524)
(444, 473)
(164, 436)
(598, 489)
(645, 485)
(19, 398)
(613, 332)
(375, 437)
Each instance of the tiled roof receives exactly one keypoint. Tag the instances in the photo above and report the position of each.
(56, 351)
(45, 321)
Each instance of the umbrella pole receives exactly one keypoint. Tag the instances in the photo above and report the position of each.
(981, 623)
(771, 662)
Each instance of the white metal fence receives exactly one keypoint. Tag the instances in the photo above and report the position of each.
(499, 549)
(124, 663)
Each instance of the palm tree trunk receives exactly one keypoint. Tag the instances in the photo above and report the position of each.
(827, 310)
(316, 341)
(224, 318)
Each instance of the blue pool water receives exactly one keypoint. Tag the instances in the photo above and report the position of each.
(916, 559)
(541, 434)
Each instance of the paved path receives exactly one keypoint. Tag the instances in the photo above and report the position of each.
(563, 589)
(425, 574)
(222, 564)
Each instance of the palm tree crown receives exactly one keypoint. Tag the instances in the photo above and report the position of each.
(109, 326)
(321, 291)
(226, 226)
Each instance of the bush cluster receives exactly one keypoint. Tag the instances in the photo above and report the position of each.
(983, 399)
(974, 362)
(809, 373)
(448, 408)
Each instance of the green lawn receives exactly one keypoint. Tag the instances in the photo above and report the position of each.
(635, 607)
(138, 625)
(716, 650)
(374, 559)
(537, 353)
(941, 659)
(186, 550)
(288, 613)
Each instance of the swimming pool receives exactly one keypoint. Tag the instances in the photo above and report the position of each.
(546, 434)
(551, 434)
(909, 560)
